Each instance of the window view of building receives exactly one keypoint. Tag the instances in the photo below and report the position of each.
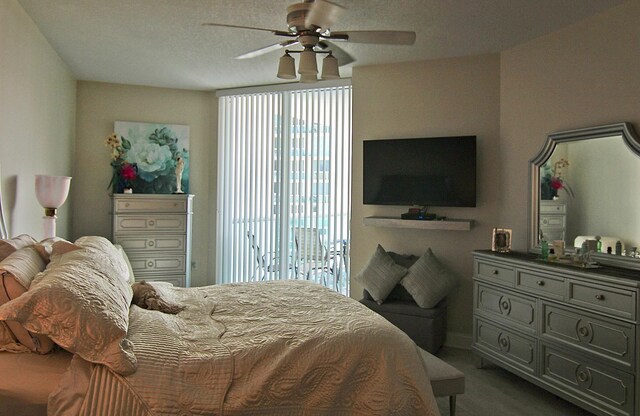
(284, 187)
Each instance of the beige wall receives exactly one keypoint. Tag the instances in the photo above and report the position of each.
(426, 99)
(585, 75)
(99, 106)
(37, 120)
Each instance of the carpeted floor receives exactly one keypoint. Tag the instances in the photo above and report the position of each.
(492, 391)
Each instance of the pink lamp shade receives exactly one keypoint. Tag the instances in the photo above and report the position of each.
(51, 192)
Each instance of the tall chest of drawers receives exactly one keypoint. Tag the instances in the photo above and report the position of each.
(155, 232)
(553, 220)
(569, 330)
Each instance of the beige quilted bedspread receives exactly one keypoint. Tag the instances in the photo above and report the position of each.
(271, 348)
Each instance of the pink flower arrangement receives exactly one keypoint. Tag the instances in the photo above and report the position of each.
(124, 173)
(128, 173)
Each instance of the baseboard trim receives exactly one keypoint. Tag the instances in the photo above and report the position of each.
(458, 340)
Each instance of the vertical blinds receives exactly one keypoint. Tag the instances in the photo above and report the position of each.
(284, 178)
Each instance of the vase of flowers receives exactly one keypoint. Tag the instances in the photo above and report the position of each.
(124, 173)
(552, 181)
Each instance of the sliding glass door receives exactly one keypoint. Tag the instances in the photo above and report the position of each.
(284, 186)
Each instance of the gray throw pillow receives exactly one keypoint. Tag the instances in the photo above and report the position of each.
(380, 275)
(428, 281)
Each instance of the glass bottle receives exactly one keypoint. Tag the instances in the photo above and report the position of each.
(544, 247)
(599, 244)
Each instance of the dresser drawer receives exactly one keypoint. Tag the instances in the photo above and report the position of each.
(516, 350)
(540, 284)
(552, 221)
(601, 386)
(152, 243)
(171, 263)
(151, 223)
(553, 208)
(496, 273)
(507, 306)
(609, 300)
(150, 204)
(611, 339)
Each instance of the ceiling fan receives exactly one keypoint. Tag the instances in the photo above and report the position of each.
(309, 25)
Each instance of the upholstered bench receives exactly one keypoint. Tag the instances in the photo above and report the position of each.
(426, 327)
(446, 380)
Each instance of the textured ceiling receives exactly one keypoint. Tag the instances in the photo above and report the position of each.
(162, 42)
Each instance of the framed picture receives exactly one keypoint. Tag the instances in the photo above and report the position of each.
(160, 154)
(501, 241)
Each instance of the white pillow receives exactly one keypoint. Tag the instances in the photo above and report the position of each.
(130, 278)
(82, 303)
(428, 281)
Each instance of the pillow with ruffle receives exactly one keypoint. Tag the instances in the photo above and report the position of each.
(45, 247)
(10, 245)
(82, 303)
(17, 271)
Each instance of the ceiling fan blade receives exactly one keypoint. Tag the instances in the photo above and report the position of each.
(267, 49)
(379, 37)
(341, 55)
(323, 14)
(274, 31)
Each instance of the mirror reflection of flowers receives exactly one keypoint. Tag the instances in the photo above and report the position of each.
(124, 173)
(552, 180)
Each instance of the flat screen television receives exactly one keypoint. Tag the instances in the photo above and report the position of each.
(439, 171)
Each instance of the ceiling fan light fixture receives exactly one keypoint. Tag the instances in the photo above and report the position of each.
(308, 78)
(330, 67)
(287, 67)
(308, 64)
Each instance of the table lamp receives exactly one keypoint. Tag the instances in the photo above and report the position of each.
(51, 192)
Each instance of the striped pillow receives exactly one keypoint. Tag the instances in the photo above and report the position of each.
(17, 272)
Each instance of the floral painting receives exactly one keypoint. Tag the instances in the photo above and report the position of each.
(150, 158)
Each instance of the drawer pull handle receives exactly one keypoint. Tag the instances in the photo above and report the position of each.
(150, 264)
(600, 297)
(505, 304)
(540, 282)
(495, 271)
(583, 331)
(504, 342)
(127, 205)
(583, 376)
(152, 223)
(151, 243)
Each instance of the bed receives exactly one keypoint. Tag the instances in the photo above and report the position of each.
(279, 347)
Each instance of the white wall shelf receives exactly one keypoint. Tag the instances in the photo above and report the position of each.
(394, 222)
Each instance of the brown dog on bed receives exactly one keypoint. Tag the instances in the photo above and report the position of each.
(147, 297)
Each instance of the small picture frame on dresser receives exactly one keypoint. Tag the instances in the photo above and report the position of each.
(501, 241)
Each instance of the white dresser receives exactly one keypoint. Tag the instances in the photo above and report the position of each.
(569, 330)
(155, 232)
